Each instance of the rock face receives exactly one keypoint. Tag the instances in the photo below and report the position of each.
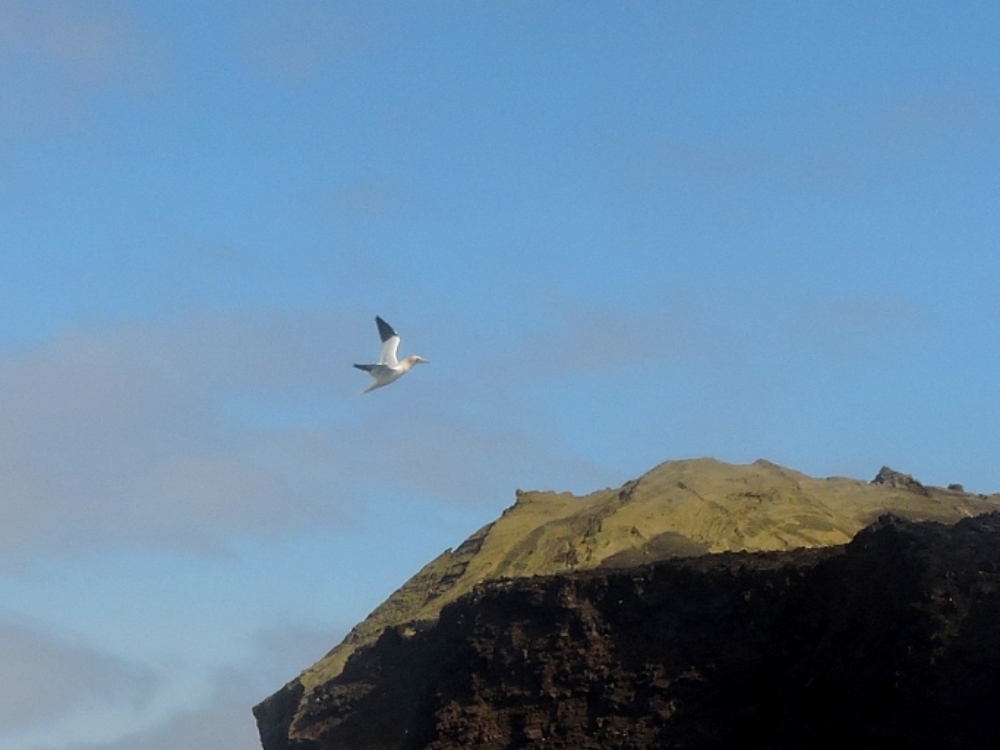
(553, 627)
(891, 641)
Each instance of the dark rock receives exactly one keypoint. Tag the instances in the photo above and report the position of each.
(890, 641)
(274, 715)
(892, 478)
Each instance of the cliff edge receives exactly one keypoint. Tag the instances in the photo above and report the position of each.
(680, 509)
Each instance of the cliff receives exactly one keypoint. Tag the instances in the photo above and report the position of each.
(394, 692)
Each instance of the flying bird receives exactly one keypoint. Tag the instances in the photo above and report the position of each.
(388, 369)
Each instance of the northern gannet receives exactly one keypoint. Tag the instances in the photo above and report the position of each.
(388, 369)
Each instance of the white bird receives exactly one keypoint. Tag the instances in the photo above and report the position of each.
(388, 369)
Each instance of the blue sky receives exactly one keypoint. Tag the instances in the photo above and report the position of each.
(622, 232)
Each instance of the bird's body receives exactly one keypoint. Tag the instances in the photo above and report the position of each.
(388, 369)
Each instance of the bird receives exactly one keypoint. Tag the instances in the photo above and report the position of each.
(389, 369)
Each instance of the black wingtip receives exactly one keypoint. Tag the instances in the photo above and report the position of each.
(384, 329)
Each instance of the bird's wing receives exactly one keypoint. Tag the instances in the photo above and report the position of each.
(388, 355)
(376, 371)
(390, 343)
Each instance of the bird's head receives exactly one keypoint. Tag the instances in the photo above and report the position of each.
(416, 359)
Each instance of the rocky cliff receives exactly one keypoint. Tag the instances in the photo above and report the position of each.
(527, 636)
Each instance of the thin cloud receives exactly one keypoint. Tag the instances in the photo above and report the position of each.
(46, 677)
(841, 145)
(223, 725)
(292, 42)
(121, 436)
(433, 442)
(593, 339)
(57, 57)
(182, 435)
(860, 330)
(225, 720)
